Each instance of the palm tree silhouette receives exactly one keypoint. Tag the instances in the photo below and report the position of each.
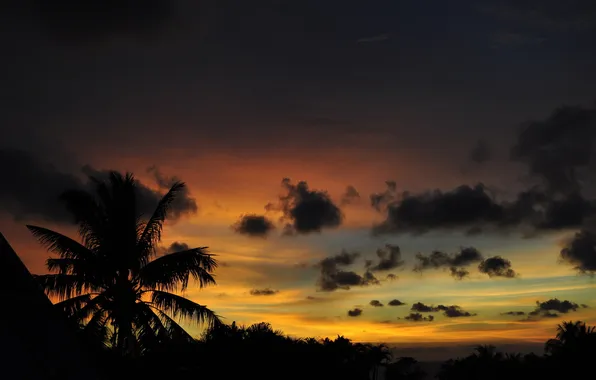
(113, 284)
(572, 338)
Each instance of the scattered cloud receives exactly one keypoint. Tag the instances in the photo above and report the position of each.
(555, 304)
(456, 262)
(178, 247)
(497, 267)
(514, 313)
(356, 312)
(350, 196)
(263, 292)
(332, 277)
(422, 308)
(389, 258)
(172, 248)
(184, 202)
(417, 317)
(306, 210)
(459, 273)
(376, 303)
(452, 311)
(552, 308)
(253, 225)
(380, 200)
(395, 302)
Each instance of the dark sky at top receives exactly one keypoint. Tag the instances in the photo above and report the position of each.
(244, 74)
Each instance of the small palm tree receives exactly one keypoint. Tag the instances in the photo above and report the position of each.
(112, 283)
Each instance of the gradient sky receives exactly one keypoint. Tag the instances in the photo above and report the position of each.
(234, 96)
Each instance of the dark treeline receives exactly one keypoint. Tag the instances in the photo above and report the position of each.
(259, 351)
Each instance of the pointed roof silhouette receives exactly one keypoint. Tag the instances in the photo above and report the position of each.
(36, 340)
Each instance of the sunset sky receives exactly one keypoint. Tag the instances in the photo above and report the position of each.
(343, 131)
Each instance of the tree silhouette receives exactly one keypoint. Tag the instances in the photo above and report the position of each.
(573, 347)
(112, 284)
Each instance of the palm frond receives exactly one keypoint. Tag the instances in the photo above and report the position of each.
(174, 270)
(174, 330)
(97, 329)
(145, 328)
(96, 303)
(73, 306)
(64, 246)
(64, 286)
(183, 308)
(63, 266)
(152, 232)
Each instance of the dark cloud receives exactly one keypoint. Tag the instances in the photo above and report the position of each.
(454, 261)
(395, 302)
(552, 308)
(174, 247)
(376, 303)
(183, 203)
(481, 152)
(263, 292)
(459, 273)
(558, 148)
(475, 209)
(463, 207)
(389, 258)
(355, 312)
(417, 317)
(91, 20)
(380, 200)
(253, 225)
(351, 195)
(332, 277)
(580, 251)
(422, 308)
(497, 267)
(306, 210)
(555, 304)
(452, 311)
(558, 153)
(514, 313)
(178, 247)
(36, 187)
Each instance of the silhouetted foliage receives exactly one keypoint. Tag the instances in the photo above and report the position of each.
(567, 355)
(112, 285)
